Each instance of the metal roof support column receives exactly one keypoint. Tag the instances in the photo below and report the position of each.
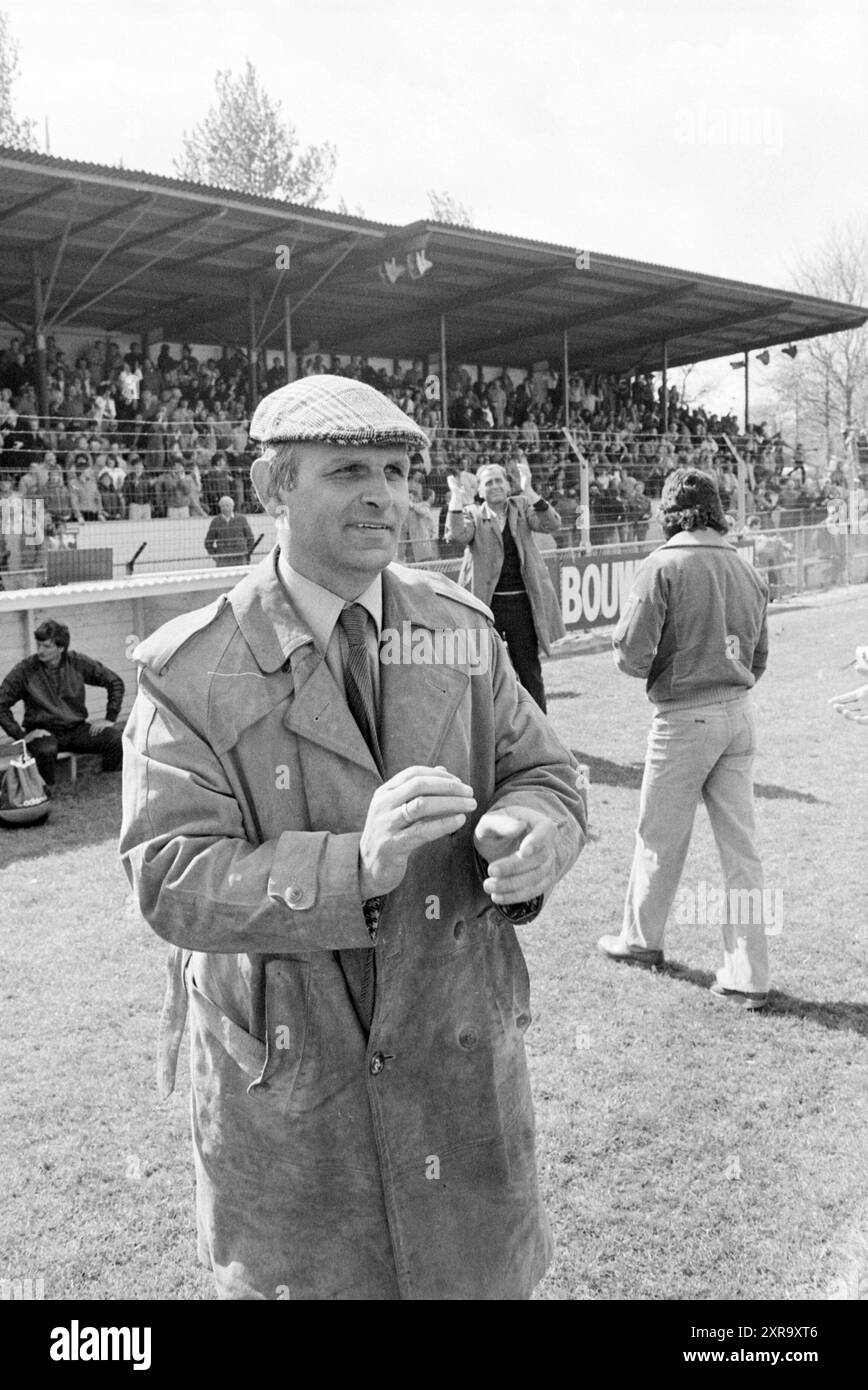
(746, 391)
(665, 387)
(39, 331)
(444, 400)
(291, 368)
(566, 381)
(251, 350)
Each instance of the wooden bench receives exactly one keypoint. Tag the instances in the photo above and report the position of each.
(10, 750)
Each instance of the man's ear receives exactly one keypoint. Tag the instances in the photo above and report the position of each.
(260, 471)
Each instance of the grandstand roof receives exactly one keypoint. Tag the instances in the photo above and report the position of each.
(124, 251)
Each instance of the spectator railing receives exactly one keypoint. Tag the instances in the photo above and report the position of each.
(810, 557)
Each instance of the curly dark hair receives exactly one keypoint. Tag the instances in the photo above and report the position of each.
(51, 631)
(690, 500)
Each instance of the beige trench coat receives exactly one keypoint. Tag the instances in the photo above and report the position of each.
(329, 1166)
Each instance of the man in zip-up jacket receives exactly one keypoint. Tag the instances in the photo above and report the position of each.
(51, 685)
(694, 629)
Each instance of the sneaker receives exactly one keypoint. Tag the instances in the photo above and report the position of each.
(615, 948)
(752, 1002)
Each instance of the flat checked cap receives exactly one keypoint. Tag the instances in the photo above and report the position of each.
(333, 410)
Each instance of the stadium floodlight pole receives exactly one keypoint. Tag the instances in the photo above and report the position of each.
(287, 338)
(584, 490)
(746, 391)
(665, 389)
(741, 468)
(251, 360)
(443, 373)
(566, 380)
(39, 334)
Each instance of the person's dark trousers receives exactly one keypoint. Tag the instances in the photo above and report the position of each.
(513, 619)
(79, 739)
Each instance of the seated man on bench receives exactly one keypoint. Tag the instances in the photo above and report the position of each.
(52, 686)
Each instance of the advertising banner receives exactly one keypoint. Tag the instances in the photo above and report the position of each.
(593, 589)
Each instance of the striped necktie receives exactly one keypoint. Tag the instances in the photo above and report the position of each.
(357, 678)
(359, 966)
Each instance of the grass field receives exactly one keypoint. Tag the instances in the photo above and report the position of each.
(687, 1150)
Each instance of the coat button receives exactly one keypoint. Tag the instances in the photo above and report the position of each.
(523, 1020)
(458, 929)
(377, 1063)
(468, 1038)
(293, 894)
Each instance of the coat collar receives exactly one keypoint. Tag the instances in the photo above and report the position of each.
(274, 631)
(704, 539)
(318, 712)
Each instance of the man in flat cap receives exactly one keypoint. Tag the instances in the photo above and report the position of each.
(337, 801)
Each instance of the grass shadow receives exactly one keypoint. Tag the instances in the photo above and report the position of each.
(770, 792)
(609, 774)
(838, 1015)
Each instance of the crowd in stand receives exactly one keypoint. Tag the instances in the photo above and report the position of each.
(125, 437)
(141, 435)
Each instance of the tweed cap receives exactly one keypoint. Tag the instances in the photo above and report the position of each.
(333, 410)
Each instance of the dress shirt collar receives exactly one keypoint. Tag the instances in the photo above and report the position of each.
(319, 608)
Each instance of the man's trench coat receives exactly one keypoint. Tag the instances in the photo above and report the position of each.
(329, 1166)
(480, 531)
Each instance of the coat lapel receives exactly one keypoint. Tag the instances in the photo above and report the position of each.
(320, 714)
(418, 702)
(318, 711)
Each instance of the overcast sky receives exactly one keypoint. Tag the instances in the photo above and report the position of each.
(718, 137)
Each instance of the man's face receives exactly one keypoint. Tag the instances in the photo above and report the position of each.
(345, 512)
(47, 652)
(493, 489)
(227, 507)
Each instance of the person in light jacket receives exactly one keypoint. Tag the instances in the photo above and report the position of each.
(694, 629)
(503, 567)
(338, 877)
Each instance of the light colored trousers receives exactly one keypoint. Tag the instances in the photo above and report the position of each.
(705, 752)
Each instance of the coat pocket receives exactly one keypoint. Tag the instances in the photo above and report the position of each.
(246, 1051)
(287, 1007)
